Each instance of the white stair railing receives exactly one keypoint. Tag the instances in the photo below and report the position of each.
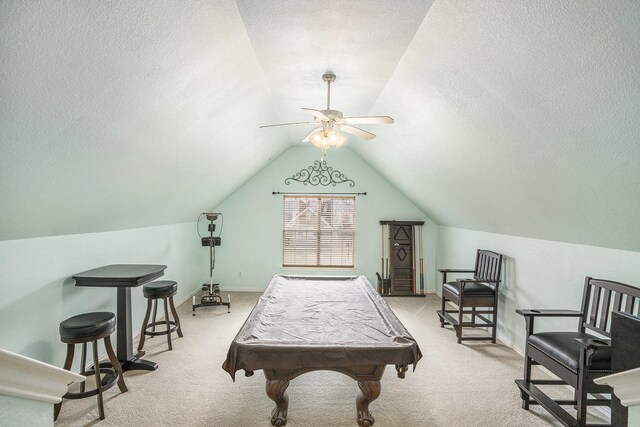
(626, 386)
(21, 376)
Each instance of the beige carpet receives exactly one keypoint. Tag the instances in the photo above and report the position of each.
(454, 385)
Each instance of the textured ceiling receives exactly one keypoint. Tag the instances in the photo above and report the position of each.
(515, 117)
(361, 41)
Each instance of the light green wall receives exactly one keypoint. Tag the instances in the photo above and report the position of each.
(536, 273)
(634, 415)
(251, 251)
(38, 292)
(25, 412)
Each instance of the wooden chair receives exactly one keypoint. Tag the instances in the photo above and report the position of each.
(577, 358)
(479, 294)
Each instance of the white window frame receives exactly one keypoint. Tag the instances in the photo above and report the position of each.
(302, 242)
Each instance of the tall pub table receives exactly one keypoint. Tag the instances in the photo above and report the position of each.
(123, 277)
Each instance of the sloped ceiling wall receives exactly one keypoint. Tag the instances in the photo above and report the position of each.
(513, 117)
(521, 118)
(118, 115)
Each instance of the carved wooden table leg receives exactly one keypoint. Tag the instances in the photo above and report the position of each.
(369, 391)
(276, 390)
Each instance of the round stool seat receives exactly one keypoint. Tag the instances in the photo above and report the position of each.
(160, 289)
(88, 325)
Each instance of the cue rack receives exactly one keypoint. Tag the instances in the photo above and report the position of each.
(211, 291)
(393, 232)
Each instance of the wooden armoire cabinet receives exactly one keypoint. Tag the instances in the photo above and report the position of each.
(403, 251)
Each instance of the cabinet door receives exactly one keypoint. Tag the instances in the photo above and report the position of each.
(401, 242)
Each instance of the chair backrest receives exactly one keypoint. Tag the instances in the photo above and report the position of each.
(602, 297)
(488, 265)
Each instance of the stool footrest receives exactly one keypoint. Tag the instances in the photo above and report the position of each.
(108, 381)
(161, 323)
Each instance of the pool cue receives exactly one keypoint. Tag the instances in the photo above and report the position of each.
(388, 277)
(413, 257)
(381, 290)
(387, 250)
(421, 263)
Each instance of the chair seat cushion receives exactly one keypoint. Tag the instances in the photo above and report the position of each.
(160, 289)
(563, 348)
(469, 288)
(88, 325)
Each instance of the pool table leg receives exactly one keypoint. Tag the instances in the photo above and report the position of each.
(369, 391)
(276, 390)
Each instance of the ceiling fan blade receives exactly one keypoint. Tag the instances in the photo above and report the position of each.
(287, 124)
(368, 120)
(308, 137)
(317, 114)
(358, 132)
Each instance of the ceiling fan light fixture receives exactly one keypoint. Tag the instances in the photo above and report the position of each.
(336, 139)
(327, 139)
(320, 140)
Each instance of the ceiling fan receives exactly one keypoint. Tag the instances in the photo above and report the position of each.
(331, 122)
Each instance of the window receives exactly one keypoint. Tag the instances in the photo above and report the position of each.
(318, 231)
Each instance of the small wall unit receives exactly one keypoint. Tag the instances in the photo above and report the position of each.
(402, 261)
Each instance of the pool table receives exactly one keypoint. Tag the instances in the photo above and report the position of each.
(308, 323)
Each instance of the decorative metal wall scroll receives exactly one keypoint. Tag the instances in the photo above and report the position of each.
(320, 174)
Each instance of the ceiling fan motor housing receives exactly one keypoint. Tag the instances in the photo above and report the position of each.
(333, 114)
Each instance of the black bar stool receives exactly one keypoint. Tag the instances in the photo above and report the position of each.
(165, 290)
(81, 329)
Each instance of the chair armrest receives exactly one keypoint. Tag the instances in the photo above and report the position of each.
(530, 312)
(477, 281)
(446, 271)
(593, 343)
(589, 347)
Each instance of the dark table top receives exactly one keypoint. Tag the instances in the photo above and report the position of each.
(115, 275)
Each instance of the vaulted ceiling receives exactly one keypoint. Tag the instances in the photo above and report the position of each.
(513, 117)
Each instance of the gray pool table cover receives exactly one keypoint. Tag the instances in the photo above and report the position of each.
(320, 322)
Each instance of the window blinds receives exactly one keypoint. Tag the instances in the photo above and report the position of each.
(318, 231)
